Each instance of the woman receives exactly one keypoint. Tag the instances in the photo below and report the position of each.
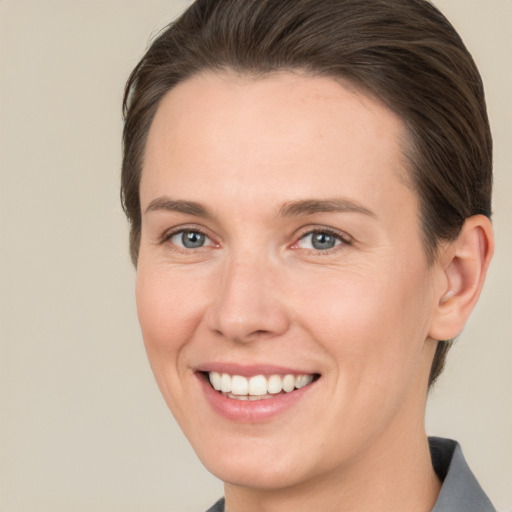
(308, 186)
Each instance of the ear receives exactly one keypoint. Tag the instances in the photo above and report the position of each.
(462, 266)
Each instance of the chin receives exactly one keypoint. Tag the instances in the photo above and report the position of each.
(257, 474)
(259, 468)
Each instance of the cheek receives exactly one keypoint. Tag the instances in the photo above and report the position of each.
(371, 322)
(373, 329)
(167, 308)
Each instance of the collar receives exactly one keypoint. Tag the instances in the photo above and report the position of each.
(460, 491)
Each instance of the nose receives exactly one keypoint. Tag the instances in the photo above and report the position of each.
(247, 304)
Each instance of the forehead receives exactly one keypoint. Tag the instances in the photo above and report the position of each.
(297, 131)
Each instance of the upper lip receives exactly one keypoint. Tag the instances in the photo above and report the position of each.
(248, 370)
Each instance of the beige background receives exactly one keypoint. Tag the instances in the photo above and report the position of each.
(82, 425)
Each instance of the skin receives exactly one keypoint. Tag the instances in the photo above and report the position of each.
(363, 315)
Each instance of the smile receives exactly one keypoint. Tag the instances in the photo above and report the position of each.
(257, 387)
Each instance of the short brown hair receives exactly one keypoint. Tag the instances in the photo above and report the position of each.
(404, 52)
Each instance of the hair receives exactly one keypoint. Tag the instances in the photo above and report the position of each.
(403, 52)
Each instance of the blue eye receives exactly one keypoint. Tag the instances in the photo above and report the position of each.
(319, 240)
(189, 239)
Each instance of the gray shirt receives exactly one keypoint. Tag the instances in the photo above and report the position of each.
(460, 491)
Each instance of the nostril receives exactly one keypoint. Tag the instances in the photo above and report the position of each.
(244, 307)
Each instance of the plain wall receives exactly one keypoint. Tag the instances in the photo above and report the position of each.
(82, 424)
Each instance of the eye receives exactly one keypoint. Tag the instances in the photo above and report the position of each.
(189, 239)
(320, 240)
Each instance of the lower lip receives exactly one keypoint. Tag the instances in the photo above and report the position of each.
(251, 411)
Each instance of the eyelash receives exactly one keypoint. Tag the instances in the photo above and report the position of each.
(341, 237)
(167, 236)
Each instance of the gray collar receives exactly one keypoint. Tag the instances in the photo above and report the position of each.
(460, 491)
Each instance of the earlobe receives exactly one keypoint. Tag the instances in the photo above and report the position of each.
(463, 266)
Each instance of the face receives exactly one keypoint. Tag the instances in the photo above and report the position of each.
(281, 258)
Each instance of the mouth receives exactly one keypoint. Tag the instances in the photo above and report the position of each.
(257, 387)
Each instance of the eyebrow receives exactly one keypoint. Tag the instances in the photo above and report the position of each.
(172, 205)
(312, 206)
(288, 209)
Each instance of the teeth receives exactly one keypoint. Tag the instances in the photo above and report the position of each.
(216, 380)
(274, 384)
(303, 380)
(236, 386)
(239, 385)
(288, 383)
(257, 385)
(225, 383)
